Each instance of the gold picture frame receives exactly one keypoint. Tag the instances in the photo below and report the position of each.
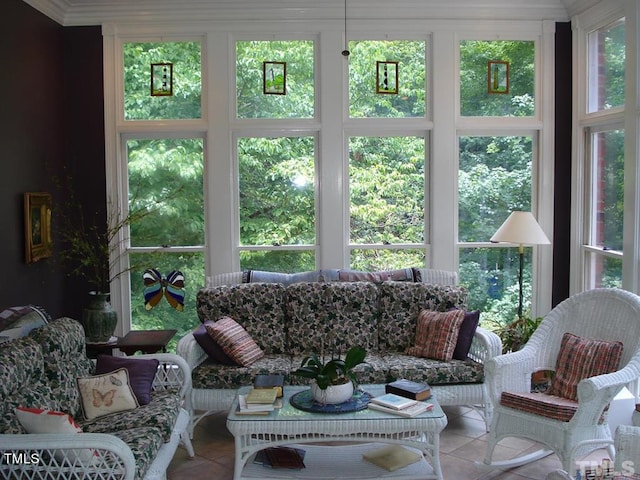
(497, 77)
(274, 78)
(387, 78)
(161, 79)
(37, 226)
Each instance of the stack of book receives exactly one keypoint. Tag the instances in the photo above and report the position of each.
(270, 380)
(397, 405)
(281, 457)
(409, 389)
(259, 401)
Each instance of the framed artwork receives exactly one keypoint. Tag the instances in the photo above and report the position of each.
(497, 77)
(274, 78)
(37, 226)
(387, 77)
(161, 79)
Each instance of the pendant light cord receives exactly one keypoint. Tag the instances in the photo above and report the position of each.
(346, 51)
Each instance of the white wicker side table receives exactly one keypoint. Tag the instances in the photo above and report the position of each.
(334, 443)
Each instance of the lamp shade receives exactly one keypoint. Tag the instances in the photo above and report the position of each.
(521, 228)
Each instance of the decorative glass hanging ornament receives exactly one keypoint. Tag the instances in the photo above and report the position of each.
(161, 79)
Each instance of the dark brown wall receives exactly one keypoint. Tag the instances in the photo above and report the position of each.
(32, 138)
(51, 118)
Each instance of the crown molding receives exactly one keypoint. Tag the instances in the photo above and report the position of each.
(98, 12)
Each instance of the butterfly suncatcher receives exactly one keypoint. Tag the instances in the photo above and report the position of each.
(155, 284)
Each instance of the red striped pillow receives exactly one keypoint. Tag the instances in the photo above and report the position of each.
(234, 341)
(581, 358)
(437, 334)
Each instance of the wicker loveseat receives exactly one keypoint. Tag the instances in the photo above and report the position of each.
(39, 371)
(291, 319)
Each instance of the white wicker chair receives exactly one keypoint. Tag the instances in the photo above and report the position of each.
(605, 314)
(627, 460)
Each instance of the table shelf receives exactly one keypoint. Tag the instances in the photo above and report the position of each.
(339, 462)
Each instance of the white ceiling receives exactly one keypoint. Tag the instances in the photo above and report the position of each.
(96, 12)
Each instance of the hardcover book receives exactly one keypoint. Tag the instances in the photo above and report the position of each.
(391, 400)
(409, 389)
(392, 457)
(272, 380)
(411, 411)
(284, 457)
(261, 395)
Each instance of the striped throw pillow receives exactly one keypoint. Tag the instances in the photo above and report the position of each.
(234, 340)
(437, 334)
(581, 358)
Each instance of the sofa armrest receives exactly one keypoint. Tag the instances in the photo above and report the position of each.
(39, 455)
(190, 351)
(485, 345)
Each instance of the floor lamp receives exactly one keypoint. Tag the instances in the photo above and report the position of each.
(522, 229)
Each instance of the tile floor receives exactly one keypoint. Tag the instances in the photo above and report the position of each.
(462, 443)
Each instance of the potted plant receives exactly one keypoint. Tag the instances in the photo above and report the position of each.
(516, 334)
(89, 250)
(332, 381)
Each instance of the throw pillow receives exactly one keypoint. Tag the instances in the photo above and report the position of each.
(235, 341)
(142, 372)
(437, 334)
(37, 420)
(211, 348)
(465, 334)
(106, 393)
(581, 358)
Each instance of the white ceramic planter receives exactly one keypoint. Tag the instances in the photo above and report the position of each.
(333, 394)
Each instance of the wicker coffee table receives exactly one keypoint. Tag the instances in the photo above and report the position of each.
(334, 443)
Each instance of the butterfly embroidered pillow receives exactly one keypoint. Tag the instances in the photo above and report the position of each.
(105, 394)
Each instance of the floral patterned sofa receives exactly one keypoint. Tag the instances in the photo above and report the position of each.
(290, 320)
(39, 371)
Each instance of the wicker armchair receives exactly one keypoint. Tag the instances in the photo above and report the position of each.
(627, 460)
(602, 314)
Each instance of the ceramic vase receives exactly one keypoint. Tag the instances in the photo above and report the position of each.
(99, 319)
(333, 394)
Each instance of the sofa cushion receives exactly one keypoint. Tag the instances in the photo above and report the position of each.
(161, 413)
(63, 347)
(433, 372)
(323, 313)
(142, 372)
(211, 374)
(581, 358)
(465, 334)
(22, 382)
(106, 393)
(210, 346)
(550, 406)
(258, 307)
(144, 443)
(437, 334)
(235, 341)
(16, 322)
(400, 304)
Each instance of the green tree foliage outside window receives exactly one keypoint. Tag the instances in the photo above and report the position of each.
(277, 201)
(494, 179)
